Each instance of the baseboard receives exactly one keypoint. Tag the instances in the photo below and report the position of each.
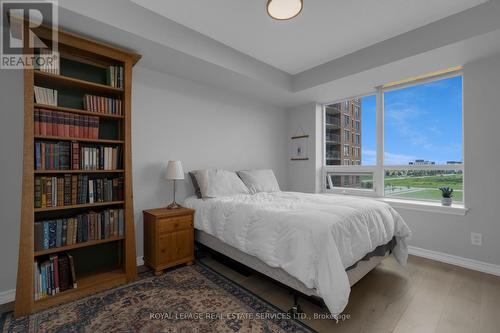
(7, 296)
(475, 265)
(140, 261)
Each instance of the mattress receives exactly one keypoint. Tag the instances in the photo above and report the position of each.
(312, 237)
(354, 273)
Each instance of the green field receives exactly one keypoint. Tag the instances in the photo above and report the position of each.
(429, 182)
(427, 194)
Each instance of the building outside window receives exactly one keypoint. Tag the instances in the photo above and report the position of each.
(347, 135)
(346, 121)
(346, 150)
(421, 143)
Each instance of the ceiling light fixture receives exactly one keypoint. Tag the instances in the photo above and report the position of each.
(284, 9)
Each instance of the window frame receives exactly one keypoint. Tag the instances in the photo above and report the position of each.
(378, 170)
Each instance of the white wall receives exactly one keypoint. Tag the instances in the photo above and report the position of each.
(440, 232)
(11, 152)
(172, 118)
(203, 127)
(304, 176)
(451, 234)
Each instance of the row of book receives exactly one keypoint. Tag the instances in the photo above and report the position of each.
(64, 124)
(101, 158)
(52, 155)
(54, 275)
(45, 96)
(64, 155)
(65, 190)
(48, 61)
(102, 104)
(114, 76)
(81, 228)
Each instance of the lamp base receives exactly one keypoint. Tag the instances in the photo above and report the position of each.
(174, 205)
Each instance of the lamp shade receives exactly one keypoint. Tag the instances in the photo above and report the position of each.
(174, 170)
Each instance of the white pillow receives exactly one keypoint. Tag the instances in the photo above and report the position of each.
(218, 183)
(259, 180)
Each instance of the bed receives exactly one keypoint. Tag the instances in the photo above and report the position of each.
(317, 244)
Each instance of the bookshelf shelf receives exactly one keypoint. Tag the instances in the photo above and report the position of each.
(89, 62)
(44, 172)
(63, 138)
(86, 285)
(87, 205)
(77, 246)
(78, 111)
(57, 81)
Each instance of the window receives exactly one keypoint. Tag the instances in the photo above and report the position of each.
(346, 120)
(422, 132)
(347, 135)
(421, 143)
(346, 150)
(359, 181)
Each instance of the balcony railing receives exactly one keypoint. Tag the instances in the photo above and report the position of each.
(333, 155)
(332, 138)
(332, 121)
(333, 109)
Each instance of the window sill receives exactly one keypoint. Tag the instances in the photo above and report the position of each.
(426, 206)
(423, 206)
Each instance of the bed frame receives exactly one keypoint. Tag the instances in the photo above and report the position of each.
(355, 274)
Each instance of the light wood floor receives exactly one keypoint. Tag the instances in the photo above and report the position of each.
(425, 296)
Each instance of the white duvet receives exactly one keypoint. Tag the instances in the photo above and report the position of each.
(313, 237)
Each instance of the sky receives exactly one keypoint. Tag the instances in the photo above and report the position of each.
(420, 122)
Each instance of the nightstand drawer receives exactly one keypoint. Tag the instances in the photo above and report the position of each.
(172, 224)
(176, 246)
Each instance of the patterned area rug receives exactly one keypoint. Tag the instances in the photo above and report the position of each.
(188, 299)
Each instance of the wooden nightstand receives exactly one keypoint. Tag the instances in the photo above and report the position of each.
(168, 238)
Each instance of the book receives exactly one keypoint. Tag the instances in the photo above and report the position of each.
(67, 189)
(53, 275)
(101, 104)
(72, 270)
(45, 96)
(80, 228)
(114, 76)
(48, 61)
(39, 236)
(99, 157)
(64, 273)
(64, 124)
(38, 192)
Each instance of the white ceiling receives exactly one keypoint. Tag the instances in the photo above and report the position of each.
(325, 30)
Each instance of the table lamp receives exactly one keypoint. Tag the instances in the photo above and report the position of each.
(174, 172)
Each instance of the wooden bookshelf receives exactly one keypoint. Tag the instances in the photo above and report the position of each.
(61, 81)
(63, 138)
(77, 246)
(89, 284)
(44, 172)
(83, 65)
(87, 205)
(78, 111)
